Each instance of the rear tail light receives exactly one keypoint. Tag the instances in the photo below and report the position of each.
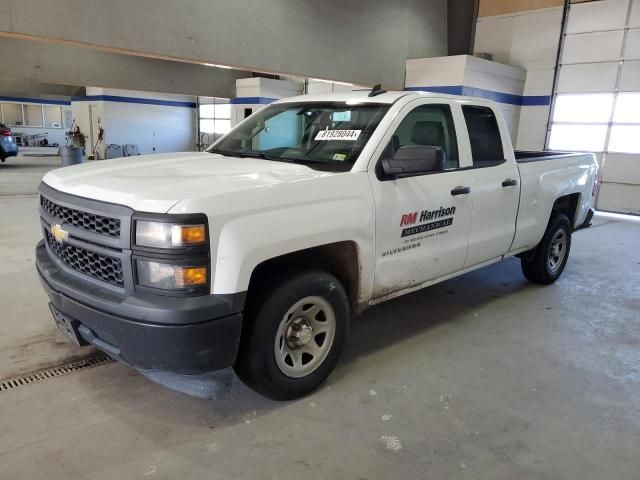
(5, 132)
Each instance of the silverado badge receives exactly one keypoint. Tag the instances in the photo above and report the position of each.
(58, 233)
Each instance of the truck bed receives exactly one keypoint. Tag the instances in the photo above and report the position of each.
(545, 176)
(523, 156)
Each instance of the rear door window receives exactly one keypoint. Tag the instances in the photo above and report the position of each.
(484, 135)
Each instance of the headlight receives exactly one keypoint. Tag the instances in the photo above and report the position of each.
(170, 277)
(168, 235)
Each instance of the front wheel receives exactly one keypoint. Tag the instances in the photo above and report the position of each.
(551, 254)
(293, 339)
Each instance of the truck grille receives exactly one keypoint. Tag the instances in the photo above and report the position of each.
(87, 221)
(102, 267)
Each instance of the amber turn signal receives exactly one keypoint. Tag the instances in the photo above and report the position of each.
(191, 234)
(190, 276)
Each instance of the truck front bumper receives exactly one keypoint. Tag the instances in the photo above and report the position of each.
(178, 335)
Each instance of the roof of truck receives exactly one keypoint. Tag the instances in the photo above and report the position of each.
(362, 96)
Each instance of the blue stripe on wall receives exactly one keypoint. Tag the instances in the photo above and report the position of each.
(143, 101)
(536, 100)
(500, 97)
(447, 89)
(43, 101)
(252, 100)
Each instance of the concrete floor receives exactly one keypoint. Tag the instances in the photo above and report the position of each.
(28, 339)
(485, 377)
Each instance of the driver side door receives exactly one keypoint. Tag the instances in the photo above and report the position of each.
(422, 221)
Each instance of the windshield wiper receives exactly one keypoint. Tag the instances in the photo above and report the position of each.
(224, 152)
(229, 153)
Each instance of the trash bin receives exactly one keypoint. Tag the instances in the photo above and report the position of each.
(71, 155)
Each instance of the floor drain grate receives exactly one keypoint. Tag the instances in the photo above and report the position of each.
(24, 380)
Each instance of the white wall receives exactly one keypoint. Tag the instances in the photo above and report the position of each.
(497, 77)
(475, 76)
(263, 88)
(54, 135)
(527, 39)
(80, 118)
(315, 87)
(153, 128)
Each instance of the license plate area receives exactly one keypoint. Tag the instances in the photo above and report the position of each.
(68, 327)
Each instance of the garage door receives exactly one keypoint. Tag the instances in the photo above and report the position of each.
(597, 100)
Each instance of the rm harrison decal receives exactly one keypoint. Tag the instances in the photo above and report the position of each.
(412, 218)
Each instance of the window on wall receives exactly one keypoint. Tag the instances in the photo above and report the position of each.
(214, 117)
(52, 116)
(580, 122)
(12, 114)
(625, 130)
(32, 115)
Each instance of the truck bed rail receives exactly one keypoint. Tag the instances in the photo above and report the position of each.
(524, 156)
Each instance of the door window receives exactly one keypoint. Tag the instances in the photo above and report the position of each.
(428, 125)
(484, 135)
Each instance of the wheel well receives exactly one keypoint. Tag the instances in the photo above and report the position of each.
(340, 259)
(567, 204)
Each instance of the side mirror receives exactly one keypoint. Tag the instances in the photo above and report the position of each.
(414, 160)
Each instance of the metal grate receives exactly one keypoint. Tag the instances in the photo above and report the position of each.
(24, 380)
(102, 267)
(87, 221)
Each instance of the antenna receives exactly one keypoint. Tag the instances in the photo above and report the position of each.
(377, 90)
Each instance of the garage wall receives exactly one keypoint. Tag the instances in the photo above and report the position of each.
(156, 123)
(597, 106)
(524, 34)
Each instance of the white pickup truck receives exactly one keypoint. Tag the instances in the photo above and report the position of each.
(255, 253)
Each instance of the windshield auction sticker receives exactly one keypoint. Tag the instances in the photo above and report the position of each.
(326, 135)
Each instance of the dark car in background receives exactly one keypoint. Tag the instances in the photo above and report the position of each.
(8, 145)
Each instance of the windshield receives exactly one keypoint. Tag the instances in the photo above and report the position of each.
(327, 136)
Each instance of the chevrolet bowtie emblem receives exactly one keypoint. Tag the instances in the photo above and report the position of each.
(58, 233)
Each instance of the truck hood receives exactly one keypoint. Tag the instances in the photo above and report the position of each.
(154, 183)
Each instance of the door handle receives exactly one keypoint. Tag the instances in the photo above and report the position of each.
(460, 190)
(509, 182)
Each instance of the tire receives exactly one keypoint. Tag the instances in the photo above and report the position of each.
(292, 339)
(551, 255)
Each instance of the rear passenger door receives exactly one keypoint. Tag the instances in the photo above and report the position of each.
(422, 221)
(496, 189)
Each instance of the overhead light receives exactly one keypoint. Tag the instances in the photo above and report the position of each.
(226, 67)
(331, 81)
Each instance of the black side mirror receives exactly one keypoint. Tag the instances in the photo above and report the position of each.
(414, 160)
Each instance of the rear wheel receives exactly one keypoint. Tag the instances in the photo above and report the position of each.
(293, 338)
(551, 254)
